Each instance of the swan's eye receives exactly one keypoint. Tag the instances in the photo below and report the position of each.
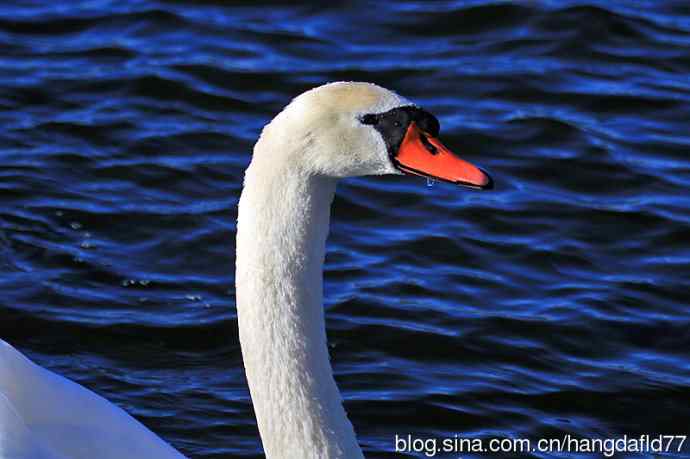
(397, 124)
(369, 119)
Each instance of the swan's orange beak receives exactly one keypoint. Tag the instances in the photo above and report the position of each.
(424, 155)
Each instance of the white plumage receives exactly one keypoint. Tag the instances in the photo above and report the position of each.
(283, 223)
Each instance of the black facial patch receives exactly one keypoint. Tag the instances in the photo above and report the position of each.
(393, 124)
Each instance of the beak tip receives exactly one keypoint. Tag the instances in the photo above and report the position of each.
(489, 185)
(488, 182)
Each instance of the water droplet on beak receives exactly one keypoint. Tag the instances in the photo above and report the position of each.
(430, 182)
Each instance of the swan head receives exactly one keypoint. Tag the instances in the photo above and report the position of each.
(348, 129)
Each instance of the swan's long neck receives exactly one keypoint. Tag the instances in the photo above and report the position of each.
(282, 228)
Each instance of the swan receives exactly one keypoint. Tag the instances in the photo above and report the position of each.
(337, 130)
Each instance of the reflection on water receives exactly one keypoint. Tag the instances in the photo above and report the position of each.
(555, 304)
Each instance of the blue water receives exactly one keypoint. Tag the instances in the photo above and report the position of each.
(556, 304)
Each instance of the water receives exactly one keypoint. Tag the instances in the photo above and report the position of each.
(555, 304)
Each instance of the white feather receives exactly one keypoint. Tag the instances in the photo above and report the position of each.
(46, 416)
(282, 228)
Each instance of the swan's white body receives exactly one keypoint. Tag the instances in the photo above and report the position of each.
(283, 223)
(45, 416)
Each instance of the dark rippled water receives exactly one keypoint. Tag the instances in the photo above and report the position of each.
(556, 304)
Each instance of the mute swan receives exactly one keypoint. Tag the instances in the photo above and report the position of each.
(333, 131)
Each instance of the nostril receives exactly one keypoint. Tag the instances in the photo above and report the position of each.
(429, 146)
